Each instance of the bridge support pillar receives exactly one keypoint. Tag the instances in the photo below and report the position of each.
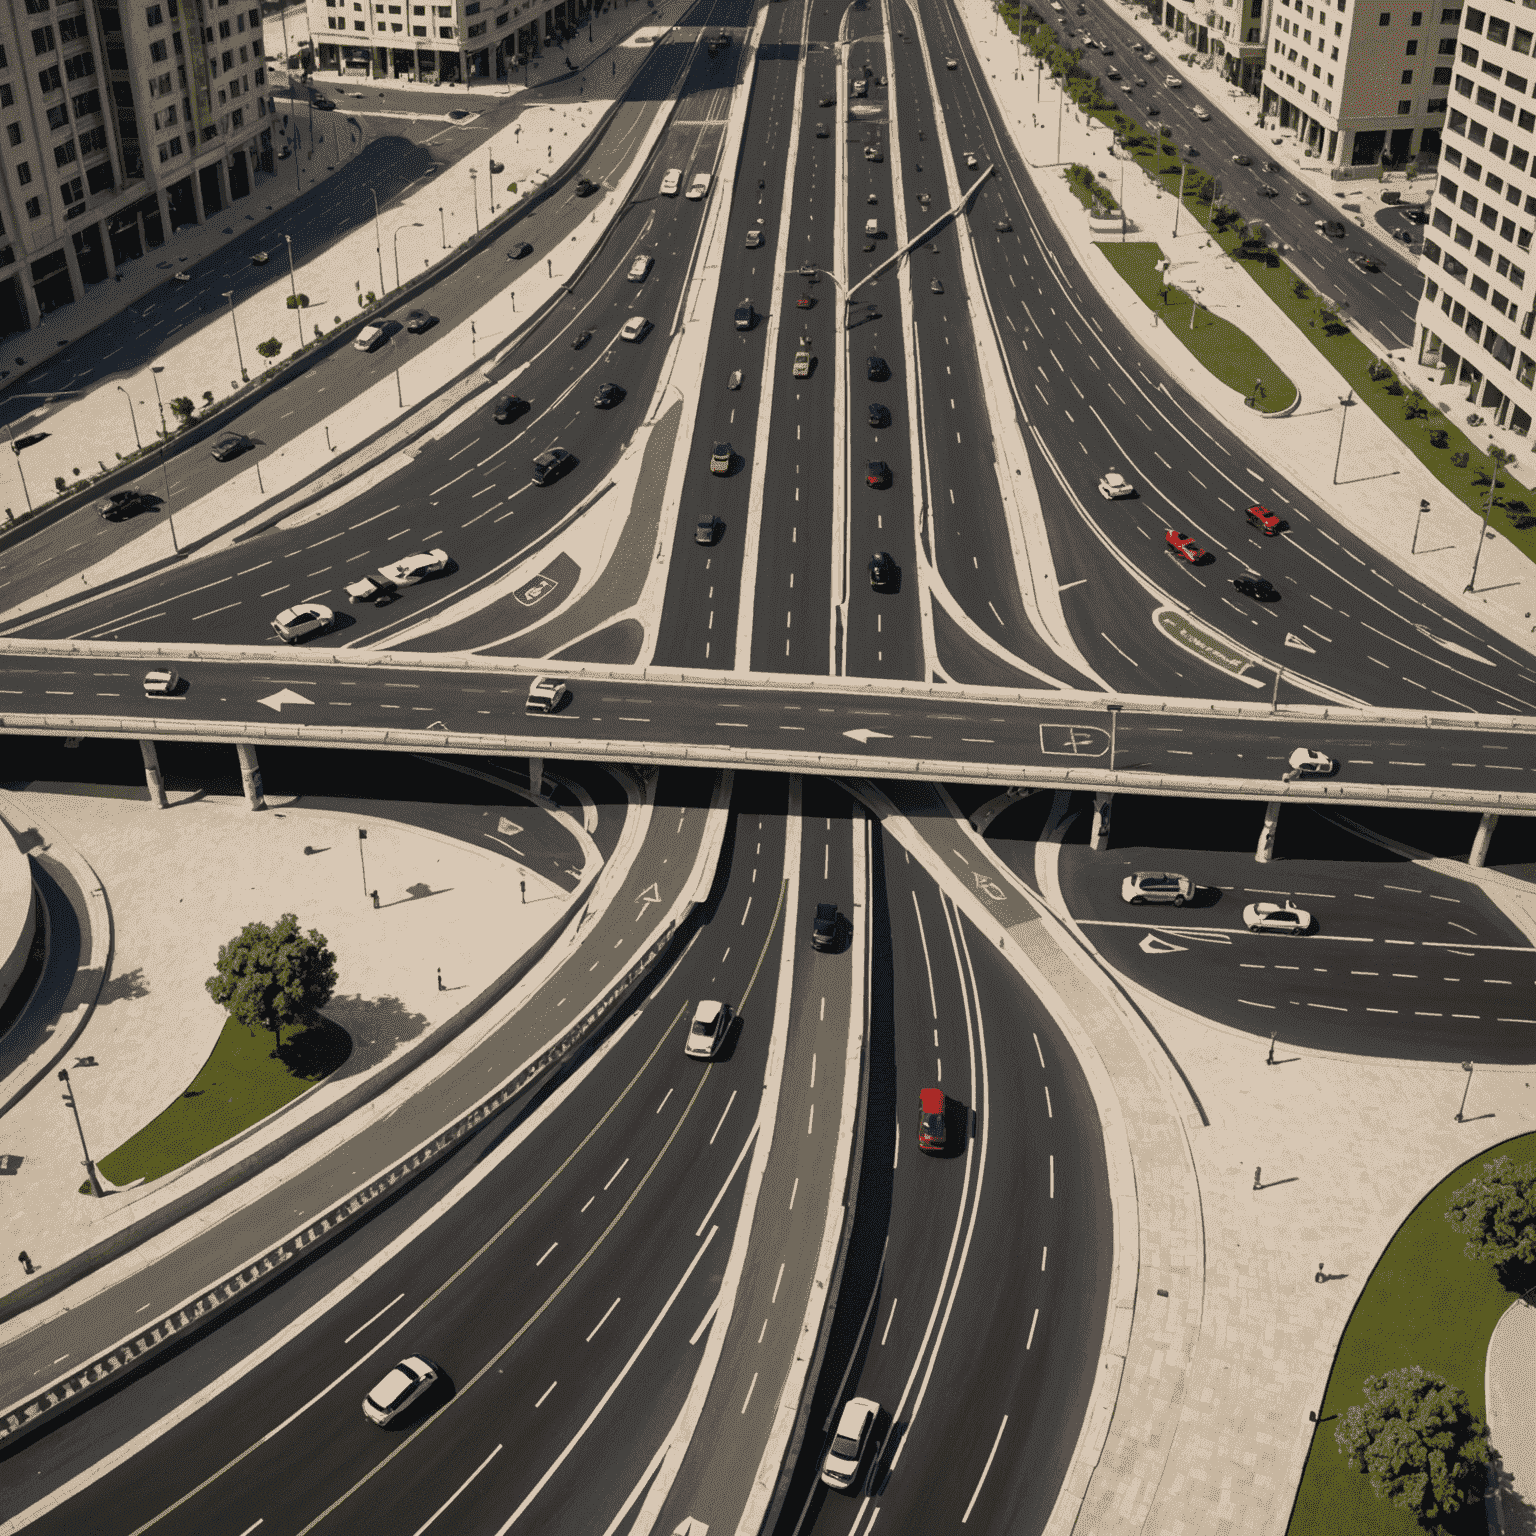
(536, 775)
(250, 777)
(1102, 805)
(152, 775)
(1266, 849)
(1480, 842)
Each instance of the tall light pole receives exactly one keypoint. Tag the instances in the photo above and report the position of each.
(1461, 1113)
(378, 241)
(90, 1167)
(16, 454)
(293, 285)
(442, 225)
(138, 442)
(395, 242)
(229, 293)
(475, 195)
(170, 517)
(1413, 549)
(1346, 401)
(1482, 533)
(1178, 207)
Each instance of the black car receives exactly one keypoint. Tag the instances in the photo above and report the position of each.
(707, 530)
(580, 339)
(120, 504)
(826, 926)
(1268, 191)
(607, 394)
(418, 320)
(876, 369)
(585, 188)
(508, 408)
(827, 101)
(883, 571)
(518, 250)
(1416, 216)
(1004, 227)
(877, 474)
(229, 445)
(1255, 587)
(879, 415)
(551, 464)
(324, 104)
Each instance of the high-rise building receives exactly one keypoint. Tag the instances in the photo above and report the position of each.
(122, 122)
(1476, 315)
(1363, 84)
(460, 41)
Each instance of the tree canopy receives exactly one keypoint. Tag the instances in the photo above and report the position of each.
(1496, 1213)
(274, 976)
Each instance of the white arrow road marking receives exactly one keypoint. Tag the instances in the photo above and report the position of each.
(864, 735)
(1296, 643)
(1152, 945)
(1451, 645)
(508, 828)
(275, 701)
(648, 896)
(691, 1527)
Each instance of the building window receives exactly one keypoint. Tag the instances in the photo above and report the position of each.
(58, 116)
(86, 103)
(34, 208)
(1515, 83)
(1385, 19)
(1407, 77)
(1413, 46)
(1404, 108)
(418, 31)
(37, 7)
(1474, 21)
(13, 133)
(7, 96)
(1476, 132)
(237, 118)
(42, 40)
(1498, 31)
(153, 15)
(478, 30)
(23, 173)
(93, 140)
(100, 178)
(65, 153)
(1485, 98)
(1484, 253)
(1463, 238)
(445, 31)
(158, 51)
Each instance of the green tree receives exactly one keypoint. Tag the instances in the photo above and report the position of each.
(272, 976)
(1419, 1442)
(1496, 1213)
(270, 347)
(181, 409)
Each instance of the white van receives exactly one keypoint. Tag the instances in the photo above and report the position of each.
(671, 183)
(872, 229)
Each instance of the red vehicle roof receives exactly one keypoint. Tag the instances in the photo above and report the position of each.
(931, 1100)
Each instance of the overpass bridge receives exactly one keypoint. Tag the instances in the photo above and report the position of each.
(465, 703)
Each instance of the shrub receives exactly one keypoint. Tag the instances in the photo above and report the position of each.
(270, 347)
(297, 301)
(181, 408)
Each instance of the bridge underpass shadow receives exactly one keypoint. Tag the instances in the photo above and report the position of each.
(857, 1295)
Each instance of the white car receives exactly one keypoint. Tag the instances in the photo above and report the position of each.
(634, 328)
(1202, 114)
(370, 589)
(671, 182)
(409, 569)
(707, 1033)
(1304, 761)
(1153, 885)
(398, 1390)
(369, 337)
(699, 187)
(546, 695)
(639, 268)
(1272, 917)
(754, 239)
(293, 624)
(1114, 486)
(840, 1467)
(802, 368)
(1173, 82)
(161, 684)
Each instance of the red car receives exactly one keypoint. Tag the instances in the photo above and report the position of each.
(930, 1125)
(1184, 547)
(805, 301)
(1265, 521)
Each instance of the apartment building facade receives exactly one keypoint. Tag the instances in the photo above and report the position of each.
(1232, 31)
(1364, 83)
(1476, 313)
(123, 120)
(461, 41)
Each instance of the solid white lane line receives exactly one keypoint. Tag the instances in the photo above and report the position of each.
(987, 1468)
(547, 1390)
(1035, 1319)
(546, 1254)
(468, 1480)
(617, 1171)
(752, 1387)
(773, 1301)
(723, 1113)
(604, 1318)
(889, 1320)
(371, 1321)
(1038, 1051)
(1053, 1175)
(1049, 1113)
(933, 1000)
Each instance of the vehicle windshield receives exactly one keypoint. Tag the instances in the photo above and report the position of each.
(845, 1447)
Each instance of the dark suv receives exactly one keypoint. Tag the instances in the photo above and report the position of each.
(549, 466)
(1255, 587)
(826, 926)
(120, 504)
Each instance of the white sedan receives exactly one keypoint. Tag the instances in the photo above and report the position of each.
(1114, 486)
(1202, 114)
(1305, 761)
(369, 337)
(410, 569)
(161, 685)
(698, 188)
(293, 624)
(403, 1386)
(634, 328)
(1272, 917)
(639, 268)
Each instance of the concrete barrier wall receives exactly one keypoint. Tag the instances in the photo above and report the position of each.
(18, 910)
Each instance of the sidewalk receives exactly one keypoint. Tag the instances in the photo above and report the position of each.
(424, 226)
(1381, 483)
(148, 943)
(1510, 1388)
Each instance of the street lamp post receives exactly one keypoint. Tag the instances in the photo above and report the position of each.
(1345, 401)
(1178, 207)
(1461, 1114)
(170, 517)
(474, 193)
(378, 241)
(293, 285)
(229, 294)
(16, 454)
(138, 442)
(90, 1167)
(442, 225)
(1114, 716)
(1423, 508)
(395, 241)
(1482, 533)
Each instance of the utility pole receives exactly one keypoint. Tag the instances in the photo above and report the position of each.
(90, 1167)
(1345, 401)
(1482, 533)
(155, 371)
(239, 356)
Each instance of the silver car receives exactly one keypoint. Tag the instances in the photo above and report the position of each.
(1156, 886)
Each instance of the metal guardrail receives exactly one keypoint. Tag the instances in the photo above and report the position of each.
(67, 1392)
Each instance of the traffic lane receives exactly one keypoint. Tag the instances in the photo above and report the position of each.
(1402, 961)
(275, 419)
(1406, 603)
(695, 633)
(793, 579)
(625, 1116)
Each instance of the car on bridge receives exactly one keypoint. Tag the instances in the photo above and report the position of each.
(121, 504)
(930, 1120)
(546, 696)
(294, 624)
(229, 446)
(419, 320)
(754, 239)
(1157, 886)
(950, 63)
(407, 1383)
(1242, 160)
(1184, 547)
(1363, 263)
(876, 370)
(879, 415)
(551, 464)
(855, 1430)
(1115, 487)
(585, 187)
(707, 1032)
(1273, 917)
(1202, 114)
(518, 249)
(745, 316)
(707, 530)
(822, 131)
(1307, 762)
(409, 569)
(640, 268)
(635, 328)
(826, 926)
(671, 182)
(1331, 228)
(161, 684)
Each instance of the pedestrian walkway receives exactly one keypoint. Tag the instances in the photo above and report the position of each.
(1510, 1389)
(1370, 482)
(161, 891)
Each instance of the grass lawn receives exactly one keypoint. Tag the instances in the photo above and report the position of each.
(1229, 353)
(240, 1083)
(1425, 1304)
